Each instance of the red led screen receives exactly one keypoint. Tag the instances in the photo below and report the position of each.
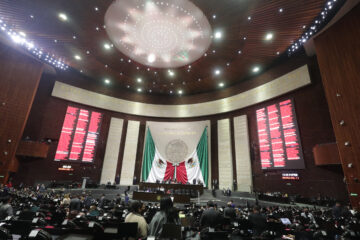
(279, 140)
(79, 135)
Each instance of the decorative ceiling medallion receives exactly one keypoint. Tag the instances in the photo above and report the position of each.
(162, 34)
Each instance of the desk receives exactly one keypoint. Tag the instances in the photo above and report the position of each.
(155, 197)
(144, 186)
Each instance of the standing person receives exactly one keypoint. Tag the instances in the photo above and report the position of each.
(135, 216)
(258, 221)
(211, 217)
(160, 218)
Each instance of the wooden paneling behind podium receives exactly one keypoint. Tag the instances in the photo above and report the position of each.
(338, 53)
(20, 76)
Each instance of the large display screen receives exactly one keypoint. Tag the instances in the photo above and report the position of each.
(79, 135)
(279, 139)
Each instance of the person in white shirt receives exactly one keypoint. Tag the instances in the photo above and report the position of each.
(135, 217)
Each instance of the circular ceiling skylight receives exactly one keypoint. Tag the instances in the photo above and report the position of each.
(162, 34)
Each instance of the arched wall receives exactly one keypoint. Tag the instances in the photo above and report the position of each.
(46, 117)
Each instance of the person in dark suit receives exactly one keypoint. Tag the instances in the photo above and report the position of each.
(229, 211)
(211, 217)
(75, 204)
(258, 221)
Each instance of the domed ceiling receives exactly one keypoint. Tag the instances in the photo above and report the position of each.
(167, 47)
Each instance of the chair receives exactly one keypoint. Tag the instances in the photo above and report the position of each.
(171, 231)
(126, 230)
(19, 227)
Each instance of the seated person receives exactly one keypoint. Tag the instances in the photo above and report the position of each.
(6, 208)
(211, 217)
(93, 211)
(161, 217)
(135, 217)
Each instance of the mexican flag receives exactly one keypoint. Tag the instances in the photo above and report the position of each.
(156, 168)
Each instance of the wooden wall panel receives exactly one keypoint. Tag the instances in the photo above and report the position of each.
(313, 117)
(326, 154)
(338, 53)
(19, 80)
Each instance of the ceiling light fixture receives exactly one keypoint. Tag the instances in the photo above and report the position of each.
(171, 73)
(151, 58)
(107, 46)
(221, 84)
(217, 72)
(77, 57)
(269, 36)
(139, 90)
(281, 10)
(256, 69)
(139, 80)
(63, 17)
(218, 35)
(107, 81)
(180, 92)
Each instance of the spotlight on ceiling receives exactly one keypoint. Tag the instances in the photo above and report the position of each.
(107, 46)
(63, 17)
(107, 81)
(171, 73)
(217, 72)
(221, 84)
(139, 90)
(139, 80)
(180, 92)
(269, 36)
(256, 69)
(77, 57)
(218, 35)
(151, 58)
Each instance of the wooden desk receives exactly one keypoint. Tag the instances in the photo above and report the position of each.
(144, 186)
(155, 197)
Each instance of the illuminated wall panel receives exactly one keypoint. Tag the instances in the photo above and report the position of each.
(79, 135)
(279, 140)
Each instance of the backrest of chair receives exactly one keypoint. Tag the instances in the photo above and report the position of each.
(127, 229)
(171, 231)
(20, 227)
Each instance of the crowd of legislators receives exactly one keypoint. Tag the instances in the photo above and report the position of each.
(199, 222)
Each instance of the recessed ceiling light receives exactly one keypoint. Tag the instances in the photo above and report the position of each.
(256, 69)
(139, 80)
(217, 72)
(107, 81)
(180, 92)
(269, 36)
(55, 41)
(249, 18)
(128, 86)
(239, 52)
(63, 17)
(281, 10)
(139, 90)
(151, 58)
(97, 28)
(107, 46)
(227, 64)
(244, 38)
(77, 57)
(171, 73)
(171, 91)
(218, 35)
(96, 9)
(150, 90)
(214, 16)
(74, 37)
(221, 84)
(87, 52)
(304, 27)
(277, 53)
(32, 16)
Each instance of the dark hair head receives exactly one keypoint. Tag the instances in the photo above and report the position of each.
(135, 206)
(165, 203)
(210, 204)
